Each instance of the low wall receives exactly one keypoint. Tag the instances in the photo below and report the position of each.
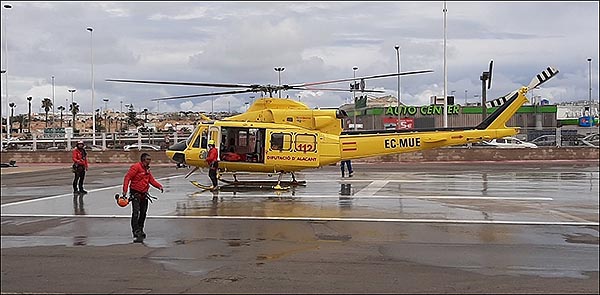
(436, 155)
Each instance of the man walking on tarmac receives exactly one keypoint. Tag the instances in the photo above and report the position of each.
(138, 179)
(213, 164)
(80, 166)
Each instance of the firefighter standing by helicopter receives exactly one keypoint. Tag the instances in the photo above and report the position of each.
(212, 159)
(80, 166)
(138, 179)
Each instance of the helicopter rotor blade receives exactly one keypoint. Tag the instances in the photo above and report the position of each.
(542, 77)
(184, 83)
(336, 89)
(363, 78)
(205, 94)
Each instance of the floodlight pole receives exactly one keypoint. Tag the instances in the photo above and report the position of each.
(590, 92)
(397, 47)
(91, 30)
(445, 73)
(354, 95)
(7, 7)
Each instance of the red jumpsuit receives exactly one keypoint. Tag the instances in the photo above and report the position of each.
(213, 165)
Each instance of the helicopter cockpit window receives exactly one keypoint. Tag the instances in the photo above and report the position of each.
(203, 139)
(188, 140)
(281, 141)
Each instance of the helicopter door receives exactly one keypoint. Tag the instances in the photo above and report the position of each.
(214, 133)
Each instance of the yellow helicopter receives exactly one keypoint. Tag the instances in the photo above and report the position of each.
(279, 135)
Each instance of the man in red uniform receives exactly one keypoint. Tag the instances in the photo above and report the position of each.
(80, 165)
(138, 179)
(212, 159)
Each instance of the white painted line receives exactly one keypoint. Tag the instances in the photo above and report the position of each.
(565, 215)
(372, 188)
(312, 196)
(391, 220)
(71, 194)
(474, 180)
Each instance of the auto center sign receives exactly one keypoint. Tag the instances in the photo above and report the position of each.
(424, 110)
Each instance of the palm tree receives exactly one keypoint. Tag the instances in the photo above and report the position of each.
(47, 105)
(61, 109)
(74, 108)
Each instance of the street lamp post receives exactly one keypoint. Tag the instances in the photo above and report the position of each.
(466, 96)
(12, 106)
(61, 109)
(354, 69)
(105, 112)
(29, 98)
(397, 47)
(53, 112)
(7, 7)
(72, 91)
(279, 70)
(590, 91)
(445, 73)
(105, 102)
(91, 30)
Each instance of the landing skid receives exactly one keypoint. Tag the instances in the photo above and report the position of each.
(262, 183)
(244, 185)
(201, 186)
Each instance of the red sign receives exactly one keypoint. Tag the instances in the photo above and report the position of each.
(406, 123)
(392, 123)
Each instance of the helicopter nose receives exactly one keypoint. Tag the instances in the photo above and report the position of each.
(175, 152)
(180, 147)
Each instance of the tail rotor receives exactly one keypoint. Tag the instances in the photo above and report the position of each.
(542, 77)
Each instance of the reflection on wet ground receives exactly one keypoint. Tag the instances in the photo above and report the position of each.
(524, 220)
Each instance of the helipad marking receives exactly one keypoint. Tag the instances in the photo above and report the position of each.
(391, 220)
(312, 196)
(71, 194)
(372, 188)
(366, 196)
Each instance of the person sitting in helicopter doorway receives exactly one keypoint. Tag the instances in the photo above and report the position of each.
(348, 164)
(213, 163)
(80, 166)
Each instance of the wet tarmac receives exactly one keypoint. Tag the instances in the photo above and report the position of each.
(488, 220)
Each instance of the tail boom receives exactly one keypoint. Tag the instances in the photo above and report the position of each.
(355, 145)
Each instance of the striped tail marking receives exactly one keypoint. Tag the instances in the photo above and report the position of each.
(500, 100)
(542, 77)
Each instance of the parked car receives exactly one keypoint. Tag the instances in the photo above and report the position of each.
(510, 142)
(143, 146)
(545, 140)
(591, 140)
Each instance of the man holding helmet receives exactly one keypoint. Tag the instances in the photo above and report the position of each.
(138, 179)
(212, 159)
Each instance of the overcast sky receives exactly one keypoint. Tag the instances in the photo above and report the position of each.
(241, 42)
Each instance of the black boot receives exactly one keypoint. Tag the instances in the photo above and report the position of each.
(137, 237)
